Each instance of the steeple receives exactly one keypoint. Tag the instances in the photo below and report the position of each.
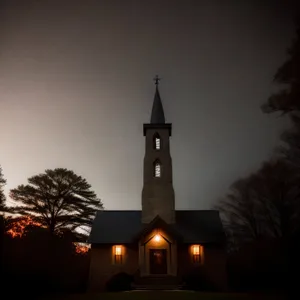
(157, 115)
(158, 198)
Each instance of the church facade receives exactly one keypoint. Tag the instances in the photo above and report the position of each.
(158, 242)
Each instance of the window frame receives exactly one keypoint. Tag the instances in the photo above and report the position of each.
(197, 252)
(117, 252)
(118, 260)
(156, 137)
(196, 259)
(158, 164)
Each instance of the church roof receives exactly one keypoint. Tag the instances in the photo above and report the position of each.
(115, 226)
(157, 115)
(121, 227)
(158, 222)
(198, 226)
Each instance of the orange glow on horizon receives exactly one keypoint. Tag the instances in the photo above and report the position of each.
(81, 249)
(18, 227)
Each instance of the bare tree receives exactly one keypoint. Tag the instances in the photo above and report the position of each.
(263, 205)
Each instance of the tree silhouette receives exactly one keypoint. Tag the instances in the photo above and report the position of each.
(2, 196)
(287, 101)
(263, 205)
(291, 149)
(57, 199)
(288, 76)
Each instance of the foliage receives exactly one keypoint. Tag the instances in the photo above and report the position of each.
(2, 196)
(288, 98)
(57, 199)
(290, 150)
(119, 282)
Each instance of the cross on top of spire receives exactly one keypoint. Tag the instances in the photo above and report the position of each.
(156, 80)
(157, 116)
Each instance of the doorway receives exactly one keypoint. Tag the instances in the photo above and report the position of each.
(158, 261)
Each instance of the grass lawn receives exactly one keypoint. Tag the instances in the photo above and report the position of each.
(157, 295)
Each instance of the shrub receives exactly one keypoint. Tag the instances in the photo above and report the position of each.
(119, 282)
(39, 264)
(259, 266)
(198, 280)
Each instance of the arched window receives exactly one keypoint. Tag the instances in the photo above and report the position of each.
(157, 168)
(156, 141)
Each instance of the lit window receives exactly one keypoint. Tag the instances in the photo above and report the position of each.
(196, 253)
(157, 143)
(118, 254)
(157, 169)
(118, 250)
(196, 249)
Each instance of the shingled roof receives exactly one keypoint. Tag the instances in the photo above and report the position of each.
(117, 226)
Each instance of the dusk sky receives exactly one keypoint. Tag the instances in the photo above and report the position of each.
(76, 86)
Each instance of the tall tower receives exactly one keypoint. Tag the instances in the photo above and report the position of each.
(158, 193)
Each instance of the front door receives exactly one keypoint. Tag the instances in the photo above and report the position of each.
(158, 261)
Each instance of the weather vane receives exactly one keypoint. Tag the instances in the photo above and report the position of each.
(156, 80)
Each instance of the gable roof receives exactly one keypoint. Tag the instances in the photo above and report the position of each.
(117, 226)
(157, 223)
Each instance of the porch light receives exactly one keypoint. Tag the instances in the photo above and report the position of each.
(157, 238)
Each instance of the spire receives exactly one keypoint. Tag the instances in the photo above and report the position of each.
(157, 116)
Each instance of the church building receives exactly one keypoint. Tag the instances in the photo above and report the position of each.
(158, 243)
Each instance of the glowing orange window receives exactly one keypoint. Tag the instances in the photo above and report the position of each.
(118, 254)
(196, 253)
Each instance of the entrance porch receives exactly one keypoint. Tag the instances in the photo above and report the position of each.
(157, 249)
(157, 255)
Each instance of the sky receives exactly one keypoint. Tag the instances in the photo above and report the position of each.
(76, 86)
